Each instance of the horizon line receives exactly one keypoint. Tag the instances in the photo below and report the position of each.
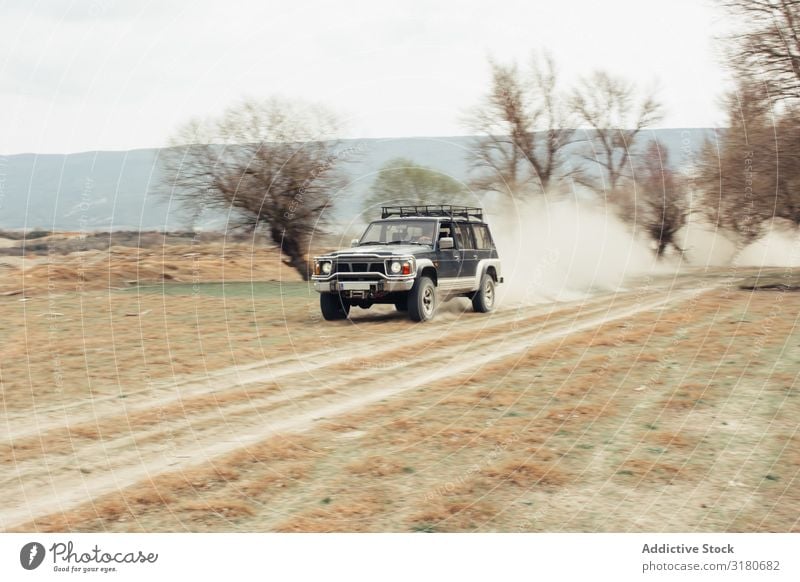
(388, 138)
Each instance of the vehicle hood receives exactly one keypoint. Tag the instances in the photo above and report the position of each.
(384, 250)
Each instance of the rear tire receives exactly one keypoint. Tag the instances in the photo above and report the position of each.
(484, 298)
(422, 300)
(333, 306)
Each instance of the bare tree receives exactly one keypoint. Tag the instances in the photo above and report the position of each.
(751, 174)
(266, 162)
(401, 181)
(521, 121)
(615, 116)
(766, 47)
(787, 195)
(661, 201)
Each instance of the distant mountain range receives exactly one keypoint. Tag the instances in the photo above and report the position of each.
(121, 190)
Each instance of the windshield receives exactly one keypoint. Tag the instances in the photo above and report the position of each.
(399, 232)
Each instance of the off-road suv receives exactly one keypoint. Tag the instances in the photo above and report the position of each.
(414, 257)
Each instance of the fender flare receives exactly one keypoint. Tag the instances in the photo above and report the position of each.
(423, 264)
(483, 266)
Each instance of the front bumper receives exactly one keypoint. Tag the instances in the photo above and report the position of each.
(376, 286)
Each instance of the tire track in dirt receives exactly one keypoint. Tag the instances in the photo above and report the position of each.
(185, 416)
(116, 434)
(163, 394)
(200, 443)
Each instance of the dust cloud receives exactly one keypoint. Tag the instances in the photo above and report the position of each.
(706, 246)
(566, 250)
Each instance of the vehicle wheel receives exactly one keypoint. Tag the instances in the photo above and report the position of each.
(401, 304)
(483, 299)
(422, 300)
(333, 306)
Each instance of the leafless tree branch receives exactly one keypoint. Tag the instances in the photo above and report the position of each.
(271, 162)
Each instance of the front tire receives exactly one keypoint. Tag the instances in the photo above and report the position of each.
(333, 306)
(484, 298)
(422, 300)
(401, 304)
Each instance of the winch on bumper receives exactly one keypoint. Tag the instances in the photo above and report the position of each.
(364, 289)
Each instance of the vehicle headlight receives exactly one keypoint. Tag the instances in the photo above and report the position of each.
(395, 267)
(326, 268)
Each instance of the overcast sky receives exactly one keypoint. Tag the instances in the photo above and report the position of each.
(81, 75)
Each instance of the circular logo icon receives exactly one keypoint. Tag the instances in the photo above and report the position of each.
(31, 555)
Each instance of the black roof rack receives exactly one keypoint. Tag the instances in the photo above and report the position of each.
(433, 210)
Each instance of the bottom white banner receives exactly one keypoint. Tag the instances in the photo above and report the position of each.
(355, 557)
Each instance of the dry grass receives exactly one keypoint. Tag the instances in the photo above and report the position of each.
(23, 449)
(548, 426)
(290, 448)
(217, 506)
(644, 471)
(348, 513)
(646, 359)
(453, 515)
(165, 260)
(671, 440)
(498, 397)
(115, 426)
(528, 474)
(576, 386)
(124, 507)
(776, 498)
(221, 489)
(375, 466)
(584, 413)
(688, 397)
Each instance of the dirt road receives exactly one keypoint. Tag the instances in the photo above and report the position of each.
(556, 417)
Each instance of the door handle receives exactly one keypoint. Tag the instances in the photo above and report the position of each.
(456, 257)
(474, 256)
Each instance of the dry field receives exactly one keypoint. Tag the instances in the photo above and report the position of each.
(192, 406)
(71, 261)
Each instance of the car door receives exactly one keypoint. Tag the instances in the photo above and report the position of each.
(449, 259)
(469, 255)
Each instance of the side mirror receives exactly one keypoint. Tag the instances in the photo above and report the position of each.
(446, 243)
(354, 242)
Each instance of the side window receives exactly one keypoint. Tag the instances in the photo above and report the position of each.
(445, 230)
(483, 239)
(464, 236)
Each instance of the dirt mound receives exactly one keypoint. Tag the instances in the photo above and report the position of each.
(164, 259)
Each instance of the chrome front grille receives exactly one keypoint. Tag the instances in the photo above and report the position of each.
(341, 266)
